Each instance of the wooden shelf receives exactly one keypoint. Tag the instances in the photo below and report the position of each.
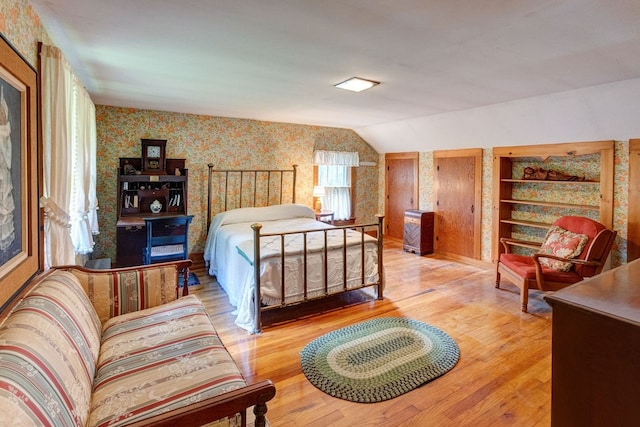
(523, 244)
(548, 181)
(550, 204)
(512, 221)
(152, 178)
(509, 192)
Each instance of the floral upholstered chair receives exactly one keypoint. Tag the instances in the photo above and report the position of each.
(574, 248)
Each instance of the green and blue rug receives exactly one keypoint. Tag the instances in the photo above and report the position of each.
(378, 359)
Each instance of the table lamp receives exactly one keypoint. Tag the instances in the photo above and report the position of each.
(318, 193)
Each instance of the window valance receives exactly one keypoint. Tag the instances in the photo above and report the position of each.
(336, 158)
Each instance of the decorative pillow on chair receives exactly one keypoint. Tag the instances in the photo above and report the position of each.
(562, 243)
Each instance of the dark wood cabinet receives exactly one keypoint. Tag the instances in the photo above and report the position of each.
(596, 350)
(130, 242)
(418, 232)
(137, 192)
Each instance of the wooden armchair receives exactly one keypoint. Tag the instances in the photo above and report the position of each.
(566, 257)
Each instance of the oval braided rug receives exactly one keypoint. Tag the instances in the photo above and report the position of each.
(378, 359)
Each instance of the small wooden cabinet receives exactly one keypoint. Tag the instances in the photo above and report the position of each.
(136, 194)
(596, 350)
(418, 232)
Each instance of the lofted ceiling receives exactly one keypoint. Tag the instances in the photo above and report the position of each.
(277, 60)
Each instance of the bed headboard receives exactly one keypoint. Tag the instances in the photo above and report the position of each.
(239, 188)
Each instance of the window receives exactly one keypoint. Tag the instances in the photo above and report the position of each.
(334, 173)
(69, 162)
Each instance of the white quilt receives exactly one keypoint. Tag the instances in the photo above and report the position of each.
(229, 256)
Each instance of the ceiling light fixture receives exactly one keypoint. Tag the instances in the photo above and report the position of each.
(356, 84)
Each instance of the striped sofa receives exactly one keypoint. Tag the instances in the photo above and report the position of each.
(118, 347)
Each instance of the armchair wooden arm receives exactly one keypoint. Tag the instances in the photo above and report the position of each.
(571, 260)
(508, 242)
(542, 284)
(217, 407)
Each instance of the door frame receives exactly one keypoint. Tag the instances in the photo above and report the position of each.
(476, 153)
(412, 155)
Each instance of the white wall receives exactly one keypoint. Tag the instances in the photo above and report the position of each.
(610, 111)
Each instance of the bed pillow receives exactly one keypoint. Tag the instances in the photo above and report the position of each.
(266, 213)
(251, 215)
(562, 243)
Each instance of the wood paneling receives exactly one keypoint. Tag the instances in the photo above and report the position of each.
(503, 376)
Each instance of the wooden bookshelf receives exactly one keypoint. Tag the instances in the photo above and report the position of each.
(510, 209)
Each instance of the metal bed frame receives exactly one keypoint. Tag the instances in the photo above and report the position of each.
(247, 182)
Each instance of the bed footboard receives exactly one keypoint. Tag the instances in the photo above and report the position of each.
(363, 229)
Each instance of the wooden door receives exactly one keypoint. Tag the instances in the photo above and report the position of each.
(401, 190)
(458, 190)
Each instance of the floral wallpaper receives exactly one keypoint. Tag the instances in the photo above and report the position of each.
(487, 205)
(227, 143)
(425, 181)
(21, 25)
(620, 201)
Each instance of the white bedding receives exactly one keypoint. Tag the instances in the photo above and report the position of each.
(229, 256)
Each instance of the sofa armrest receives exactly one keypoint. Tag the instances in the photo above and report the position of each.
(117, 291)
(223, 405)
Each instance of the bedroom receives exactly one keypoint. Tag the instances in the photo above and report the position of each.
(605, 111)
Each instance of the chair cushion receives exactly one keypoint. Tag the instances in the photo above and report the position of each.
(159, 359)
(524, 266)
(562, 243)
(48, 352)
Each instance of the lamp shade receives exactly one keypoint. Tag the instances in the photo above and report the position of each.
(318, 191)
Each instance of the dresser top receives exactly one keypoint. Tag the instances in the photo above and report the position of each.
(614, 293)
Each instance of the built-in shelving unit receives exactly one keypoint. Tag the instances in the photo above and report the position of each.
(524, 209)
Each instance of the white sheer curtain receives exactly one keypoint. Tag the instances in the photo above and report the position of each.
(69, 162)
(334, 174)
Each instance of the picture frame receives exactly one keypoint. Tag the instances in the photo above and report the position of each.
(19, 218)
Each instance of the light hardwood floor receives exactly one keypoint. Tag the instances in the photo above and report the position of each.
(503, 376)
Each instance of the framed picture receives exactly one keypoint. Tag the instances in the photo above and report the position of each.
(19, 235)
